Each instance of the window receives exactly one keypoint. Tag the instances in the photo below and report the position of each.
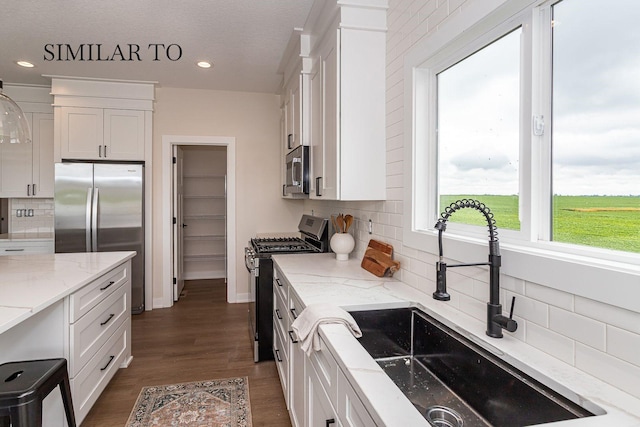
(478, 131)
(537, 114)
(596, 124)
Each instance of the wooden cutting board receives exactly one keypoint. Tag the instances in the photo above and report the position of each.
(377, 259)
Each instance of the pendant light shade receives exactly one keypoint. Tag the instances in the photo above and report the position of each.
(14, 127)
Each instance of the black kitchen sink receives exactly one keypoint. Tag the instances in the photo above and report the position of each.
(453, 381)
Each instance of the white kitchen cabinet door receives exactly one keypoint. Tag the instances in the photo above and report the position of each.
(101, 134)
(26, 170)
(324, 123)
(123, 135)
(43, 164)
(296, 366)
(81, 133)
(319, 409)
(15, 169)
(348, 132)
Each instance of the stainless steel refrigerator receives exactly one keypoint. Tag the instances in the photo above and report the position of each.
(99, 207)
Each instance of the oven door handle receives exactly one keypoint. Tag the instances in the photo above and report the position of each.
(249, 260)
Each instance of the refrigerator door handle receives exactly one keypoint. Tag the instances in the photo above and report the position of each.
(88, 219)
(94, 221)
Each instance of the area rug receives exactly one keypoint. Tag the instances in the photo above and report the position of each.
(214, 403)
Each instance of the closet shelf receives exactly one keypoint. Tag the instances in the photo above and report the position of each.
(206, 237)
(203, 217)
(204, 176)
(201, 258)
(222, 197)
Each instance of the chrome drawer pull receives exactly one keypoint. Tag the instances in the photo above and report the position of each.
(278, 282)
(293, 311)
(108, 319)
(293, 340)
(278, 314)
(277, 355)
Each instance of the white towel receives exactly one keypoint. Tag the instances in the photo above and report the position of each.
(306, 325)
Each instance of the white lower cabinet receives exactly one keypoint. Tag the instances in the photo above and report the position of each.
(17, 247)
(99, 316)
(316, 391)
(320, 412)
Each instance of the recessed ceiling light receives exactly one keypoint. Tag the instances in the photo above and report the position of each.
(25, 64)
(204, 64)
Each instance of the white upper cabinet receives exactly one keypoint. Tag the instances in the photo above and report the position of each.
(26, 170)
(347, 100)
(102, 134)
(102, 120)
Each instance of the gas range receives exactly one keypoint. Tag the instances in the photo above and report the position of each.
(257, 258)
(282, 245)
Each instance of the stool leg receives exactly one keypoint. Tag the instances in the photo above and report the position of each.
(29, 415)
(65, 389)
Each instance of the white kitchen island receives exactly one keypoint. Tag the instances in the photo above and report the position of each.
(75, 306)
(319, 278)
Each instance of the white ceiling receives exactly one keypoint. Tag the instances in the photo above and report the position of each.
(244, 39)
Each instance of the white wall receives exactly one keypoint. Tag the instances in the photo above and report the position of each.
(598, 338)
(254, 120)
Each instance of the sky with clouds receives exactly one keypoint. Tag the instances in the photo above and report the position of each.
(596, 107)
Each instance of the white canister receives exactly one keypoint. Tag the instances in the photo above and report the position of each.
(342, 244)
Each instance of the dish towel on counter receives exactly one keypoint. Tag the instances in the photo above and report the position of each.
(306, 325)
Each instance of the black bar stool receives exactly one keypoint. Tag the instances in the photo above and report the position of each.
(25, 384)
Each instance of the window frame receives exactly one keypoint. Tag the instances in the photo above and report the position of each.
(528, 253)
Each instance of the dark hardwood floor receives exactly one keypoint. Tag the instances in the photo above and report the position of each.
(201, 337)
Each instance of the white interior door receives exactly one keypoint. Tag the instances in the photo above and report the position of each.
(178, 221)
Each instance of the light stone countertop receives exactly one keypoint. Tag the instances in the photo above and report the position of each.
(31, 283)
(319, 278)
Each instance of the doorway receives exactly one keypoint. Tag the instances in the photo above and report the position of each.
(199, 206)
(198, 212)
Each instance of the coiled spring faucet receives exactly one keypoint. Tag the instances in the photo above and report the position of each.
(496, 321)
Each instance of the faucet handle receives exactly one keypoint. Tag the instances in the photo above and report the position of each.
(513, 303)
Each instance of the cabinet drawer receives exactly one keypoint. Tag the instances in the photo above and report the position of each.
(327, 369)
(351, 411)
(280, 284)
(280, 316)
(295, 306)
(281, 355)
(94, 377)
(90, 333)
(91, 295)
(23, 248)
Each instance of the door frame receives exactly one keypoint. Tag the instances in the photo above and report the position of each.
(168, 141)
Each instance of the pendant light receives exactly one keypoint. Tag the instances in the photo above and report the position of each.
(14, 127)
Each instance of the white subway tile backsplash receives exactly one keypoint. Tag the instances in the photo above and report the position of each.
(550, 296)
(529, 309)
(550, 342)
(512, 284)
(615, 316)
(609, 369)
(580, 328)
(472, 307)
(624, 345)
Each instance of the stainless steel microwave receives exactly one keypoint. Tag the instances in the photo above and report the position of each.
(297, 173)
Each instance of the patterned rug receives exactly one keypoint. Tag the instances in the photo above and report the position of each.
(214, 403)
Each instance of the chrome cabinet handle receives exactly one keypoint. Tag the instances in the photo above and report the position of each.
(28, 189)
(277, 355)
(14, 250)
(278, 282)
(293, 340)
(318, 181)
(34, 189)
(293, 311)
(330, 421)
(278, 314)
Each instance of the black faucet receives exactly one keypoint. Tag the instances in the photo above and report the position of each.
(496, 321)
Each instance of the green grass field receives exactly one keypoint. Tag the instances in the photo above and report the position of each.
(611, 222)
